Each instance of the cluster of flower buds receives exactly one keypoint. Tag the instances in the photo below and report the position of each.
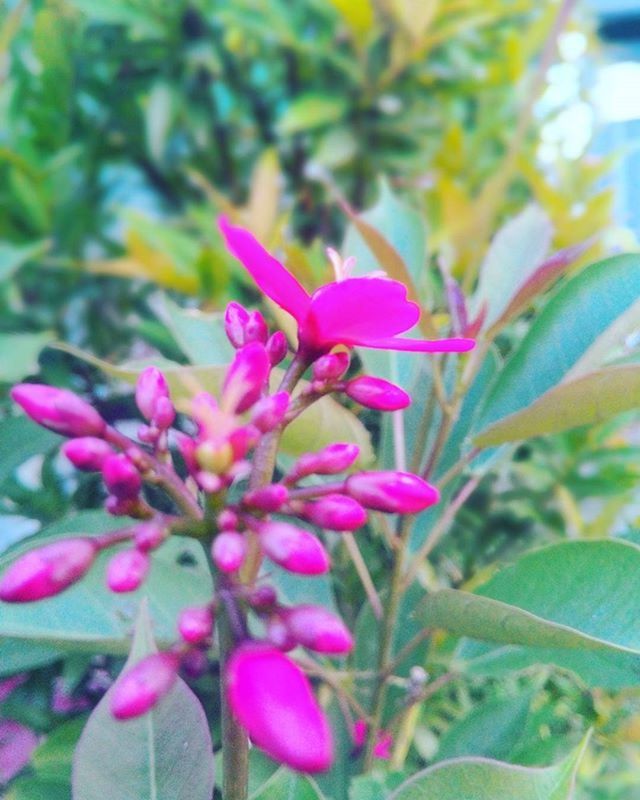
(202, 461)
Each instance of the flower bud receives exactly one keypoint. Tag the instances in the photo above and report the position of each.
(151, 388)
(235, 320)
(256, 329)
(243, 439)
(262, 597)
(246, 377)
(195, 624)
(227, 520)
(48, 570)
(229, 550)
(272, 699)
(187, 447)
(209, 482)
(278, 634)
(294, 549)
(277, 348)
(267, 498)
(127, 570)
(59, 410)
(318, 629)
(394, 492)
(269, 412)
(328, 461)
(165, 414)
(127, 507)
(87, 452)
(331, 367)
(149, 535)
(121, 477)
(336, 512)
(377, 394)
(142, 686)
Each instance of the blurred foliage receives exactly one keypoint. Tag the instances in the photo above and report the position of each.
(129, 125)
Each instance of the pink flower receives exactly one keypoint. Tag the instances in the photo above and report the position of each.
(272, 699)
(366, 312)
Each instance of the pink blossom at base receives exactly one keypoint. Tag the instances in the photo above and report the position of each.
(127, 570)
(47, 571)
(377, 393)
(337, 512)
(246, 377)
(330, 460)
(272, 699)
(229, 550)
(366, 312)
(87, 452)
(295, 549)
(17, 743)
(318, 629)
(195, 624)
(59, 410)
(140, 688)
(121, 477)
(393, 492)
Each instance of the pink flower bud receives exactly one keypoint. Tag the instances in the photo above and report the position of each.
(272, 699)
(187, 447)
(395, 492)
(127, 507)
(235, 320)
(165, 414)
(151, 387)
(267, 498)
(377, 393)
(262, 597)
(47, 571)
(277, 348)
(318, 629)
(242, 440)
(382, 748)
(256, 329)
(331, 367)
(142, 686)
(336, 512)
(328, 461)
(229, 550)
(195, 624)
(227, 520)
(121, 477)
(246, 377)
(278, 634)
(269, 412)
(149, 535)
(87, 452)
(127, 570)
(59, 410)
(294, 549)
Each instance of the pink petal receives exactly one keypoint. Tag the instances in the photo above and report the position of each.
(419, 345)
(17, 743)
(357, 310)
(270, 275)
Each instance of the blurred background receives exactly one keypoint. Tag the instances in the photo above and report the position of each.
(127, 126)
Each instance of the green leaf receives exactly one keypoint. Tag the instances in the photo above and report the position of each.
(515, 252)
(492, 729)
(569, 323)
(17, 655)
(309, 111)
(484, 779)
(375, 785)
(20, 439)
(20, 354)
(12, 256)
(321, 424)
(587, 400)
(165, 755)
(89, 618)
(200, 336)
(284, 784)
(572, 596)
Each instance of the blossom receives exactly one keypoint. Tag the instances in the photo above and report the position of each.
(367, 312)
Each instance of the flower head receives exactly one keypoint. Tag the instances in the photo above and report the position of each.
(366, 312)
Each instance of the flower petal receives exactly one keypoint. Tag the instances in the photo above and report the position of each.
(419, 345)
(270, 275)
(358, 309)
